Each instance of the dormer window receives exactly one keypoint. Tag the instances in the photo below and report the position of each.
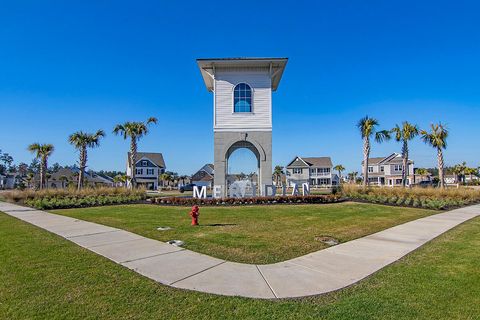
(144, 163)
(242, 98)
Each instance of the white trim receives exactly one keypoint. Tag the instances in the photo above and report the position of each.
(241, 129)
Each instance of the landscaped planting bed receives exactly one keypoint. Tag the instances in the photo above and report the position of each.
(428, 198)
(315, 199)
(72, 198)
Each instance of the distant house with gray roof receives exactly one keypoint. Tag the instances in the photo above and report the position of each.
(204, 176)
(317, 171)
(388, 170)
(148, 168)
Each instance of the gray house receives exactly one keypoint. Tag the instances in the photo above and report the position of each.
(387, 171)
(317, 171)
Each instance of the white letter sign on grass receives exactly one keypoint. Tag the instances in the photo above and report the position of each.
(199, 194)
(305, 189)
(270, 190)
(294, 189)
(217, 191)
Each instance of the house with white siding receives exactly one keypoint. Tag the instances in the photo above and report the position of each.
(316, 171)
(387, 171)
(148, 168)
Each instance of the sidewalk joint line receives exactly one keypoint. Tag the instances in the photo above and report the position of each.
(152, 256)
(268, 284)
(114, 242)
(197, 273)
(89, 234)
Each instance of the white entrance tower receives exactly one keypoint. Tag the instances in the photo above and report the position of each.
(242, 111)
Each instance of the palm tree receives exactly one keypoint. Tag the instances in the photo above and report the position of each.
(340, 169)
(460, 170)
(134, 131)
(30, 177)
(165, 177)
(422, 172)
(48, 175)
(81, 141)
(437, 138)
(404, 134)
(277, 173)
(367, 127)
(64, 180)
(183, 177)
(42, 152)
(120, 178)
(471, 172)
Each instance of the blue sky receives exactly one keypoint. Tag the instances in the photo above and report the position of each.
(88, 65)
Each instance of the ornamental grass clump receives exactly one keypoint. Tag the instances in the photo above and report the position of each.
(73, 198)
(429, 198)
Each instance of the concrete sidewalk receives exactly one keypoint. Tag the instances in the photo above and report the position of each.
(319, 272)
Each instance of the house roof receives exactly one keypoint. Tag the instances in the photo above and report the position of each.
(394, 158)
(209, 65)
(204, 174)
(155, 157)
(72, 174)
(311, 162)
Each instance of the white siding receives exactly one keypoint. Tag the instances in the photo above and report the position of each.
(261, 116)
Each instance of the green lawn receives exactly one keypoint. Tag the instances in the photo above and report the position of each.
(44, 276)
(253, 234)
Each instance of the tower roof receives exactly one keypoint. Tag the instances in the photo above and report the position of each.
(276, 66)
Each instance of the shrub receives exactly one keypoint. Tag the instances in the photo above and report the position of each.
(177, 201)
(71, 198)
(430, 198)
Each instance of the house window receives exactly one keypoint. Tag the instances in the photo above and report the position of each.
(144, 163)
(382, 168)
(312, 182)
(398, 167)
(150, 171)
(370, 169)
(139, 171)
(323, 181)
(242, 98)
(323, 171)
(313, 171)
(297, 170)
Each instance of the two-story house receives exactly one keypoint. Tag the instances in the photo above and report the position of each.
(388, 170)
(317, 171)
(149, 167)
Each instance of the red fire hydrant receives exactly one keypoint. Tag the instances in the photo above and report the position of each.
(194, 214)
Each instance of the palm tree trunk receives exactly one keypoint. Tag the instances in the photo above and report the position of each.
(440, 168)
(83, 164)
(42, 173)
(366, 154)
(405, 163)
(133, 161)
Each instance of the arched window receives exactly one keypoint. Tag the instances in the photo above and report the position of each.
(242, 98)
